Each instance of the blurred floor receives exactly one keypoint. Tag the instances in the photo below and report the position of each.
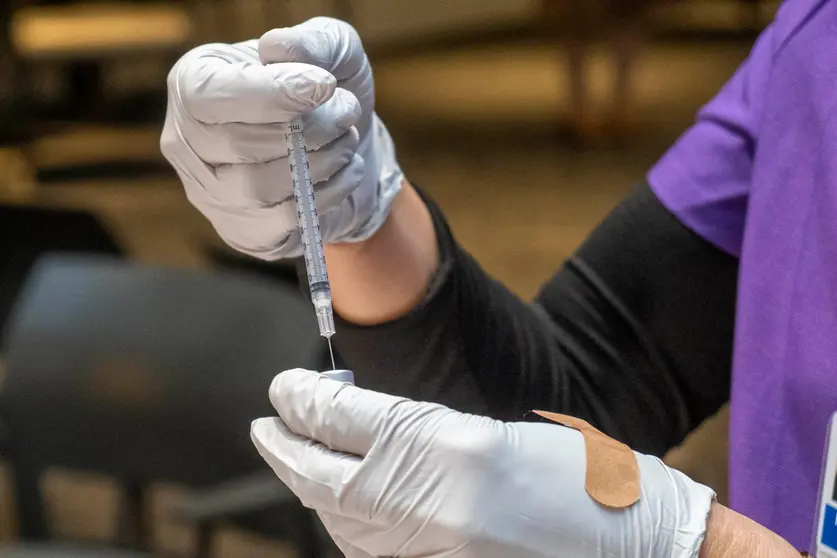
(480, 129)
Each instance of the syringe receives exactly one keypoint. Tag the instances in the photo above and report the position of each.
(309, 229)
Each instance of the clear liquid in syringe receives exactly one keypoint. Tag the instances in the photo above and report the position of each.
(309, 228)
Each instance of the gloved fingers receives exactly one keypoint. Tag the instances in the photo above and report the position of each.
(264, 233)
(333, 198)
(330, 44)
(287, 244)
(343, 417)
(329, 160)
(190, 168)
(236, 142)
(268, 232)
(331, 120)
(213, 90)
(325, 42)
(335, 173)
(337, 189)
(313, 472)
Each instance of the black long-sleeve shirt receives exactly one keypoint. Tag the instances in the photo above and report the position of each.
(633, 333)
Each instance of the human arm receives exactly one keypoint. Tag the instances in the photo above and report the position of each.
(731, 535)
(631, 353)
(469, 343)
(639, 320)
(385, 277)
(393, 477)
(633, 332)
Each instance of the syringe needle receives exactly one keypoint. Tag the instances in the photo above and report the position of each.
(331, 352)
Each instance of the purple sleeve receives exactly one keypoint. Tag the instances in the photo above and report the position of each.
(704, 179)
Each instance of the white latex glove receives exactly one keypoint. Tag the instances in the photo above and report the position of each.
(393, 477)
(225, 136)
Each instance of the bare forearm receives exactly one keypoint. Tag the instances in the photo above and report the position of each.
(731, 535)
(384, 277)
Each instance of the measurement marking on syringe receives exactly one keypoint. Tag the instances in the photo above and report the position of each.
(309, 228)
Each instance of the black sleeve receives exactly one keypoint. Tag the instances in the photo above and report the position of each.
(633, 333)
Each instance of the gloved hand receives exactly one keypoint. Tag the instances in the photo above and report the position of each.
(224, 135)
(393, 477)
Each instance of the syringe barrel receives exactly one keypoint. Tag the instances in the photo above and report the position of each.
(309, 222)
(309, 229)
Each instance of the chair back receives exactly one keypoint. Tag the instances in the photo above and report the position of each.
(28, 232)
(145, 374)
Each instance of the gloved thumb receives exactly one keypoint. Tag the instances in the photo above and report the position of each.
(326, 42)
(339, 415)
(214, 90)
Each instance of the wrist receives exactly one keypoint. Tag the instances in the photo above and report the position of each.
(383, 169)
(365, 246)
(384, 277)
(729, 535)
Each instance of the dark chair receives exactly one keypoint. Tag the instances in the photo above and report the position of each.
(28, 232)
(153, 375)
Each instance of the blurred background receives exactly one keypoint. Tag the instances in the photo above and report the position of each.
(526, 119)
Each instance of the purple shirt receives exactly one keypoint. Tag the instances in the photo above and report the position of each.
(756, 175)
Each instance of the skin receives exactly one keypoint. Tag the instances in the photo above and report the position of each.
(730, 534)
(386, 276)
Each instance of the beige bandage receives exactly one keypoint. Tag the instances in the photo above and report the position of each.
(612, 477)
